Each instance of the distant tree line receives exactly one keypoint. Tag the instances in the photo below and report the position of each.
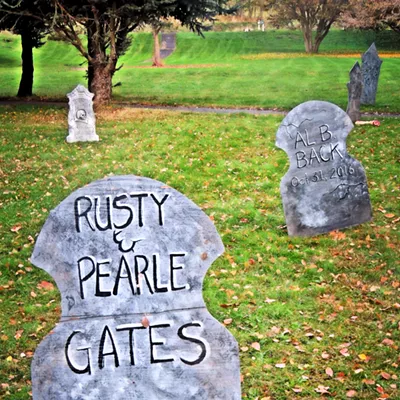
(316, 17)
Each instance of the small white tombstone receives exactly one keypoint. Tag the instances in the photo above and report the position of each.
(81, 118)
(129, 256)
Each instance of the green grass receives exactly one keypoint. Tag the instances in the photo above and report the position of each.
(329, 292)
(215, 71)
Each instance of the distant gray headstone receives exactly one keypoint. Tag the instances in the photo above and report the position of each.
(370, 68)
(355, 89)
(324, 189)
(129, 256)
(81, 118)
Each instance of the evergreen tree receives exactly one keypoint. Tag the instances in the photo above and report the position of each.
(107, 24)
(15, 18)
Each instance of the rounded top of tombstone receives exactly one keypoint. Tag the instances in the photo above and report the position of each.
(127, 244)
(311, 117)
(79, 91)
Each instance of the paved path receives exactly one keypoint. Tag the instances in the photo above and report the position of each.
(168, 44)
(193, 109)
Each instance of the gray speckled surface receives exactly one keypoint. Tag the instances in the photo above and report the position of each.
(324, 189)
(370, 68)
(81, 118)
(135, 264)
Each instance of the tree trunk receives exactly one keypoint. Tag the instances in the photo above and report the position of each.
(157, 61)
(101, 83)
(26, 83)
(91, 52)
(307, 35)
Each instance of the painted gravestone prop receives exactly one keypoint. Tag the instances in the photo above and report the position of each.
(81, 118)
(370, 68)
(129, 256)
(355, 89)
(324, 189)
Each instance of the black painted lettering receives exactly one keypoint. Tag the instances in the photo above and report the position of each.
(335, 149)
(301, 156)
(99, 292)
(153, 344)
(307, 139)
(131, 328)
(123, 206)
(325, 133)
(79, 213)
(314, 156)
(102, 354)
(192, 339)
(140, 206)
(159, 204)
(142, 274)
(299, 139)
(102, 226)
(123, 265)
(92, 260)
(174, 268)
(156, 274)
(321, 152)
(85, 370)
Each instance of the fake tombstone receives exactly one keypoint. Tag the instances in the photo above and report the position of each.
(129, 256)
(354, 87)
(324, 189)
(370, 68)
(81, 118)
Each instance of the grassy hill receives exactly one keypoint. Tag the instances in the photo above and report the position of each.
(240, 69)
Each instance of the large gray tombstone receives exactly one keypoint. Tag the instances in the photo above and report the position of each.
(129, 256)
(354, 87)
(81, 118)
(370, 68)
(324, 189)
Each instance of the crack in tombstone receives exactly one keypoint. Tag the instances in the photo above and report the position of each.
(292, 124)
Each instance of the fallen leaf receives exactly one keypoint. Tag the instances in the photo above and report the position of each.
(228, 321)
(18, 334)
(45, 285)
(16, 228)
(385, 375)
(351, 393)
(282, 365)
(329, 372)
(297, 390)
(256, 346)
(322, 389)
(368, 381)
(387, 342)
(389, 215)
(145, 322)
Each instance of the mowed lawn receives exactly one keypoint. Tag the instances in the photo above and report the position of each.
(314, 317)
(231, 69)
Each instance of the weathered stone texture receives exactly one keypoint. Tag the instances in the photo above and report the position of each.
(129, 256)
(324, 189)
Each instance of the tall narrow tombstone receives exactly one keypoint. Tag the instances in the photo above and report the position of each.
(354, 87)
(81, 118)
(324, 189)
(129, 256)
(370, 68)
